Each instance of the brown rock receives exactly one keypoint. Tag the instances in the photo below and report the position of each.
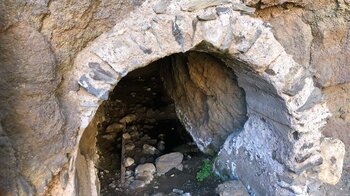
(33, 117)
(294, 34)
(115, 127)
(128, 119)
(331, 51)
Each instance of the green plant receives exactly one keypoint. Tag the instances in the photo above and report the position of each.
(205, 170)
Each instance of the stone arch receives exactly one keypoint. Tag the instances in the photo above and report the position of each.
(285, 110)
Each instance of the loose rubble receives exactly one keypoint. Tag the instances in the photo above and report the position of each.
(146, 137)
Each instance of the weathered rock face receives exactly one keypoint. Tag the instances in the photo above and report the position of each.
(216, 105)
(38, 42)
(28, 99)
(321, 43)
(280, 94)
(44, 112)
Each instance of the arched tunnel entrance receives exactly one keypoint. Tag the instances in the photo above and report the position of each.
(142, 123)
(269, 135)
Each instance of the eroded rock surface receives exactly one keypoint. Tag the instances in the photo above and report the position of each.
(43, 106)
(232, 188)
(216, 105)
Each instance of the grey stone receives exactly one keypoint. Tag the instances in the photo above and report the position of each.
(147, 167)
(232, 188)
(178, 35)
(167, 162)
(137, 184)
(316, 97)
(242, 7)
(206, 16)
(222, 10)
(333, 151)
(146, 50)
(205, 100)
(101, 74)
(85, 82)
(161, 145)
(146, 176)
(161, 6)
(178, 191)
(192, 5)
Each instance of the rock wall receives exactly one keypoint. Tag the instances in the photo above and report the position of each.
(318, 36)
(208, 100)
(39, 41)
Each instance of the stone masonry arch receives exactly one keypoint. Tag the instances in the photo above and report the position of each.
(280, 144)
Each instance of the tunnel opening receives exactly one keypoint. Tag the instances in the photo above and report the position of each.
(166, 109)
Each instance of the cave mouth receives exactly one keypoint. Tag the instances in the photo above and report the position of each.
(279, 96)
(139, 124)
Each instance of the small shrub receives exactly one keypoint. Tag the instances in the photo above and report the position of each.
(205, 170)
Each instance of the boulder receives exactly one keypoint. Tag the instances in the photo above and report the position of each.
(169, 161)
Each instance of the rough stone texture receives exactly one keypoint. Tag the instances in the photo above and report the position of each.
(169, 161)
(294, 33)
(280, 93)
(8, 170)
(231, 162)
(333, 151)
(30, 109)
(269, 3)
(215, 107)
(147, 167)
(44, 111)
(327, 54)
(232, 188)
(38, 43)
(325, 32)
(338, 125)
(192, 5)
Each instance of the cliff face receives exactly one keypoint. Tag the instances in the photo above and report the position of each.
(39, 41)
